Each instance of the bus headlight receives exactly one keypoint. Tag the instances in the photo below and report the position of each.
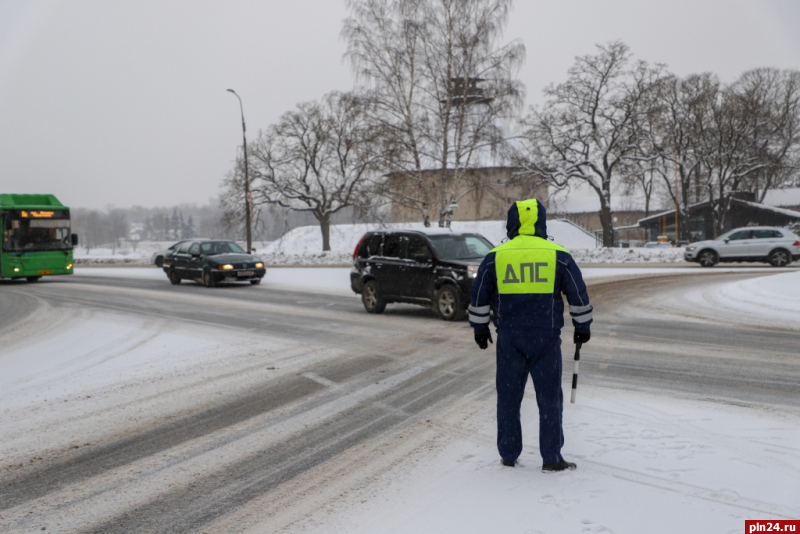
(69, 266)
(226, 267)
(16, 269)
(472, 271)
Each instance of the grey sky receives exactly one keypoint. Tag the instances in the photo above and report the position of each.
(124, 103)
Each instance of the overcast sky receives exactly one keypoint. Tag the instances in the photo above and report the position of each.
(123, 102)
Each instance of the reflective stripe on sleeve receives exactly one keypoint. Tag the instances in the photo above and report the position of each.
(479, 309)
(583, 318)
(580, 309)
(478, 319)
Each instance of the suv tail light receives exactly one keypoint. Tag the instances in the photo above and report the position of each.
(796, 243)
(358, 245)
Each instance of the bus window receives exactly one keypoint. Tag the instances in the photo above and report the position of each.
(26, 234)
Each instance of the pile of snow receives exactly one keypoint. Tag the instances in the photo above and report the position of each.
(629, 255)
(121, 255)
(303, 245)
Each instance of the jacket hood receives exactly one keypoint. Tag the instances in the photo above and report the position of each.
(527, 217)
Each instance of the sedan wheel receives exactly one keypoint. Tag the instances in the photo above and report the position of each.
(160, 261)
(448, 304)
(371, 298)
(256, 281)
(779, 258)
(208, 280)
(174, 279)
(707, 258)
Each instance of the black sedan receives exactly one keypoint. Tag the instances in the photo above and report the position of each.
(211, 262)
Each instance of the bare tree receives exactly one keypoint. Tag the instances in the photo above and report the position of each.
(775, 95)
(672, 126)
(590, 125)
(232, 197)
(316, 159)
(440, 84)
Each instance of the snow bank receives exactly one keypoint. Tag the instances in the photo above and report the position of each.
(303, 245)
(629, 255)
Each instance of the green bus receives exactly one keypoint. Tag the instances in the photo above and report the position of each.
(36, 237)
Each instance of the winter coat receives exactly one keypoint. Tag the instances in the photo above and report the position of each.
(522, 280)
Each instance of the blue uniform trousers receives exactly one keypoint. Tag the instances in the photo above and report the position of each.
(520, 353)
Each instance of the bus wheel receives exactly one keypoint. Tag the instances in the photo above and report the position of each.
(32, 278)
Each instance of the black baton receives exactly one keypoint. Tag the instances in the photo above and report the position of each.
(575, 372)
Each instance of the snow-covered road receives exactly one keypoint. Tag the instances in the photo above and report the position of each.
(128, 406)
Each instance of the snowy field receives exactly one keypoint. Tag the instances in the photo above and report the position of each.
(646, 463)
(303, 246)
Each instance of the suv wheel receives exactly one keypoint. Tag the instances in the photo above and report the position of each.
(447, 303)
(159, 261)
(779, 258)
(208, 280)
(707, 258)
(174, 279)
(371, 298)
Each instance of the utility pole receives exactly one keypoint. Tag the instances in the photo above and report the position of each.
(248, 195)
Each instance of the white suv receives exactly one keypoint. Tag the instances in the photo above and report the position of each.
(776, 246)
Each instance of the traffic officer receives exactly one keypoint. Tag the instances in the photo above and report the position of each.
(522, 281)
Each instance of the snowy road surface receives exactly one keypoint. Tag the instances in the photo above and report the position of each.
(129, 405)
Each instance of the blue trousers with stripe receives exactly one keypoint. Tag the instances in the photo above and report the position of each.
(519, 354)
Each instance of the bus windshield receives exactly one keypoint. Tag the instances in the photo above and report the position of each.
(28, 231)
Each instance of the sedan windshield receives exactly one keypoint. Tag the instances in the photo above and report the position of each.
(460, 247)
(211, 248)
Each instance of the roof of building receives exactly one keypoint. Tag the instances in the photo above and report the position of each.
(787, 197)
(789, 213)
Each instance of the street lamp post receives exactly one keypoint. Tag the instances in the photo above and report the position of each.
(248, 197)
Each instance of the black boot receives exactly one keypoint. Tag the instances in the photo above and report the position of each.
(560, 465)
(508, 463)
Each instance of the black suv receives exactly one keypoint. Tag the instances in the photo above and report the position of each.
(432, 268)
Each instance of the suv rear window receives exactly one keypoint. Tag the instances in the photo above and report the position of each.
(766, 234)
(371, 246)
(393, 246)
(460, 247)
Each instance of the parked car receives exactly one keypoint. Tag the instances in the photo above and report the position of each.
(776, 246)
(433, 268)
(657, 244)
(211, 262)
(159, 255)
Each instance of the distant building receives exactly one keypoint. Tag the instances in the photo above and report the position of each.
(744, 211)
(487, 194)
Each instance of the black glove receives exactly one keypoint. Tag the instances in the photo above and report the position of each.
(581, 337)
(483, 340)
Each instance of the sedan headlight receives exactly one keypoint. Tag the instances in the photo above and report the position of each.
(472, 271)
(259, 265)
(689, 249)
(226, 267)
